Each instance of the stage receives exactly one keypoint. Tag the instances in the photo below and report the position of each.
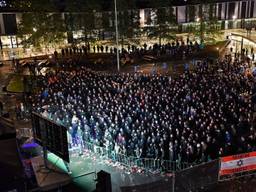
(84, 168)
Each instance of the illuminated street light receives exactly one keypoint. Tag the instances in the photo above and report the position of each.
(234, 21)
(34, 29)
(197, 19)
(117, 46)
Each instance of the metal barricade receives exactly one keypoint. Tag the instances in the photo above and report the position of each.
(145, 164)
(184, 179)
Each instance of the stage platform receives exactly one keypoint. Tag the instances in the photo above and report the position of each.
(52, 178)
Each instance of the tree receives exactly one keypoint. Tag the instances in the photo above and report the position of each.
(163, 24)
(128, 21)
(88, 26)
(41, 29)
(129, 26)
(209, 28)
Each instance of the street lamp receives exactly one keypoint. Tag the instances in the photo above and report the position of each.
(234, 18)
(200, 20)
(117, 46)
(34, 29)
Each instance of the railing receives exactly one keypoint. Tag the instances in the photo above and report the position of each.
(222, 49)
(132, 163)
(197, 178)
(242, 36)
(181, 177)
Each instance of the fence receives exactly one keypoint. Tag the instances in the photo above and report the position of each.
(183, 176)
(134, 163)
(197, 178)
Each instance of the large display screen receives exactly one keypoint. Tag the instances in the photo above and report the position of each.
(51, 135)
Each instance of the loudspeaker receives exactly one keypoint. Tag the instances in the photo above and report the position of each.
(103, 182)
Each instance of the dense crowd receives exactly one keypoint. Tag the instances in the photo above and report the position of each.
(175, 49)
(198, 116)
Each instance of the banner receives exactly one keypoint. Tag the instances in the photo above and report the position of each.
(237, 163)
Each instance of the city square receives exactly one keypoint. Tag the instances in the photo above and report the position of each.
(116, 95)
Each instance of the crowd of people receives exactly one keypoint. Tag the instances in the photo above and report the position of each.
(200, 115)
(175, 49)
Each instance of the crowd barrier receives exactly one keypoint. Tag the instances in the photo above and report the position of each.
(201, 177)
(134, 163)
(175, 176)
(182, 177)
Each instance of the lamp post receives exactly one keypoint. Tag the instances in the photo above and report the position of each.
(234, 21)
(34, 30)
(117, 46)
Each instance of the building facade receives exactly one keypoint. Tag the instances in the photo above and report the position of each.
(226, 12)
(231, 14)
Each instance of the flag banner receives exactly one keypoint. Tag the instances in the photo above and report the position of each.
(237, 163)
